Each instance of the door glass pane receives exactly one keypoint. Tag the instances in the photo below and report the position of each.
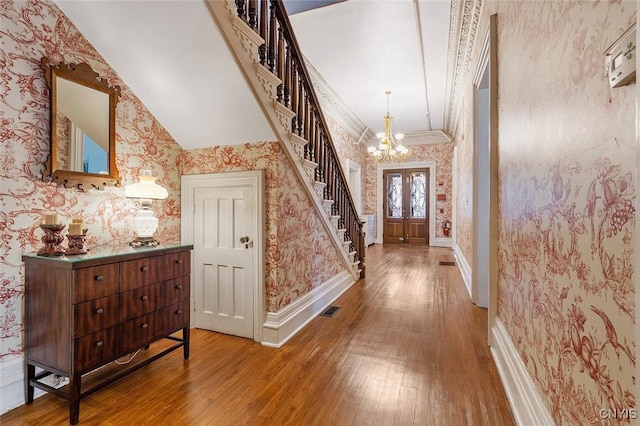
(418, 207)
(394, 195)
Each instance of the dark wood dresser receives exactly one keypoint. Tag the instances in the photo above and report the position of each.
(83, 312)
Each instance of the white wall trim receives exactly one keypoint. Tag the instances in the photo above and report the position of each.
(526, 404)
(465, 269)
(12, 384)
(441, 242)
(431, 165)
(284, 324)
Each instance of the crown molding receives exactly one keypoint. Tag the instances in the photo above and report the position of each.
(465, 15)
(335, 107)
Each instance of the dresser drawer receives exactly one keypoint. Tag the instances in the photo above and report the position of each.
(138, 332)
(94, 282)
(94, 315)
(176, 316)
(138, 273)
(95, 349)
(141, 301)
(174, 265)
(176, 290)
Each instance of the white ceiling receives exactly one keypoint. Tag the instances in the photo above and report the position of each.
(172, 56)
(363, 48)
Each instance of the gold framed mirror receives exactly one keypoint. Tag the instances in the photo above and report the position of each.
(82, 127)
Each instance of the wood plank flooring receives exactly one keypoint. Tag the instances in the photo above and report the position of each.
(407, 347)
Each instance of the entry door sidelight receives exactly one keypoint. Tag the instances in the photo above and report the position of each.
(406, 194)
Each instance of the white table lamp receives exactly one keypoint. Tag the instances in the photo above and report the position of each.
(145, 223)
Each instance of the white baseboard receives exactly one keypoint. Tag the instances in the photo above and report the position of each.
(11, 384)
(284, 324)
(465, 269)
(528, 407)
(441, 242)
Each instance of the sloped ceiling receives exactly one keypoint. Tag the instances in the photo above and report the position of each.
(172, 56)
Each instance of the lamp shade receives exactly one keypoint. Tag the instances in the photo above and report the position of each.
(146, 188)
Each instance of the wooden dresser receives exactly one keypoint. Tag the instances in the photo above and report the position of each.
(82, 312)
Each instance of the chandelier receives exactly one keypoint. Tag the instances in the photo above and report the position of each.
(390, 146)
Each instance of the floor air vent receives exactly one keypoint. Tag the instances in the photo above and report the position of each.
(447, 263)
(330, 312)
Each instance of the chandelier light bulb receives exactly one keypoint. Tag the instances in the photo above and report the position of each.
(380, 135)
(371, 149)
(399, 136)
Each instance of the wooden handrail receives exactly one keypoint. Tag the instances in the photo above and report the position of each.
(282, 55)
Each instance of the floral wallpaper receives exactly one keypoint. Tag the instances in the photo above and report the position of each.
(442, 154)
(567, 205)
(299, 253)
(30, 30)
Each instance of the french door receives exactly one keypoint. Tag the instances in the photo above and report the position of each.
(405, 206)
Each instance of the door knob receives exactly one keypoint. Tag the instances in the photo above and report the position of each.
(246, 241)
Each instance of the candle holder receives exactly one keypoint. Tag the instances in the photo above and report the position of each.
(52, 239)
(76, 244)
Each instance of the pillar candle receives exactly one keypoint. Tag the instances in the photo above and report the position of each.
(75, 229)
(51, 219)
(78, 220)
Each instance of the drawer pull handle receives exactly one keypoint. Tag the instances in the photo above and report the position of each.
(99, 311)
(99, 343)
(98, 278)
(144, 268)
(145, 325)
(179, 287)
(145, 297)
(179, 312)
(179, 261)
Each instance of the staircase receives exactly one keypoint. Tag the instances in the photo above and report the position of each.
(260, 36)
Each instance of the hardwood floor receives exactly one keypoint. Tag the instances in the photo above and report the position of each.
(407, 347)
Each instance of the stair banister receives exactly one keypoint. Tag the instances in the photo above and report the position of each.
(282, 55)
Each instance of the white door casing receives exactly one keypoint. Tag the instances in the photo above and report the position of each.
(218, 211)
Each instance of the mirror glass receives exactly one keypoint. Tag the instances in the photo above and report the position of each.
(82, 127)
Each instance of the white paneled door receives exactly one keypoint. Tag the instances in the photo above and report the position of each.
(223, 245)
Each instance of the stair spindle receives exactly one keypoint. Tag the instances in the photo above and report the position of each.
(272, 37)
(264, 13)
(280, 64)
(253, 12)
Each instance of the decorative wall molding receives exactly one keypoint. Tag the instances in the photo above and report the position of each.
(284, 324)
(465, 269)
(465, 15)
(526, 404)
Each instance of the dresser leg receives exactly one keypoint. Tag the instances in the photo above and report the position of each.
(74, 398)
(185, 337)
(30, 373)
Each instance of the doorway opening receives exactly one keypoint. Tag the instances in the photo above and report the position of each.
(355, 183)
(485, 178)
